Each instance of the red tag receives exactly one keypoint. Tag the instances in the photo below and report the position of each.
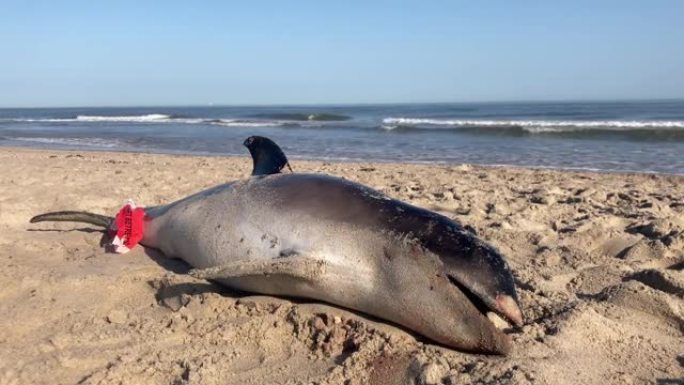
(127, 229)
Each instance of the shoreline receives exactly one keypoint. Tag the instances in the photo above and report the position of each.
(351, 160)
(598, 259)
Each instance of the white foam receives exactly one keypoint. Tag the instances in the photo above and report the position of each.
(100, 118)
(247, 123)
(154, 118)
(93, 142)
(123, 118)
(38, 120)
(538, 126)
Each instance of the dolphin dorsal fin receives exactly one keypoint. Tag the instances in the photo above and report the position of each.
(267, 156)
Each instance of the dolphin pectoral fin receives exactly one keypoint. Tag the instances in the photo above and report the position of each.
(298, 267)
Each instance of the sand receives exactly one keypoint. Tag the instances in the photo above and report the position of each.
(598, 259)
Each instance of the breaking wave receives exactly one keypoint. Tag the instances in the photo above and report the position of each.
(131, 118)
(98, 118)
(305, 117)
(249, 123)
(533, 126)
(155, 118)
(86, 142)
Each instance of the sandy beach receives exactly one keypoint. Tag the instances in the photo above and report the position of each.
(598, 259)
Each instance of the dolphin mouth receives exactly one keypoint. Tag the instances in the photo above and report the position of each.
(507, 307)
(503, 305)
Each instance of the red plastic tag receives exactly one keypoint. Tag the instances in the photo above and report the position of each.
(127, 229)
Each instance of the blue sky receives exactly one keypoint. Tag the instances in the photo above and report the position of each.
(96, 53)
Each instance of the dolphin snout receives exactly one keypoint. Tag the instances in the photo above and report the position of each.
(508, 307)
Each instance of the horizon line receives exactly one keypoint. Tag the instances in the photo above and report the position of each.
(356, 104)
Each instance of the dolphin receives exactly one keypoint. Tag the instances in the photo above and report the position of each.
(330, 239)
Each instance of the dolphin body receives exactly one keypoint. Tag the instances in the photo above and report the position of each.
(330, 239)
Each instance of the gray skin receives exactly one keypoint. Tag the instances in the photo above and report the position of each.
(326, 238)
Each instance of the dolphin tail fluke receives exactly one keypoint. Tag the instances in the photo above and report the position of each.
(74, 216)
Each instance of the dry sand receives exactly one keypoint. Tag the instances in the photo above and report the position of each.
(598, 259)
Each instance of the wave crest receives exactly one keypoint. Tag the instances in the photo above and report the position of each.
(304, 116)
(533, 126)
(154, 118)
(84, 142)
(123, 118)
(247, 123)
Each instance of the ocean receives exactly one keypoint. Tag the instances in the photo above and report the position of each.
(644, 136)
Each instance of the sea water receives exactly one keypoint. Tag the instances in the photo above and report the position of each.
(644, 136)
